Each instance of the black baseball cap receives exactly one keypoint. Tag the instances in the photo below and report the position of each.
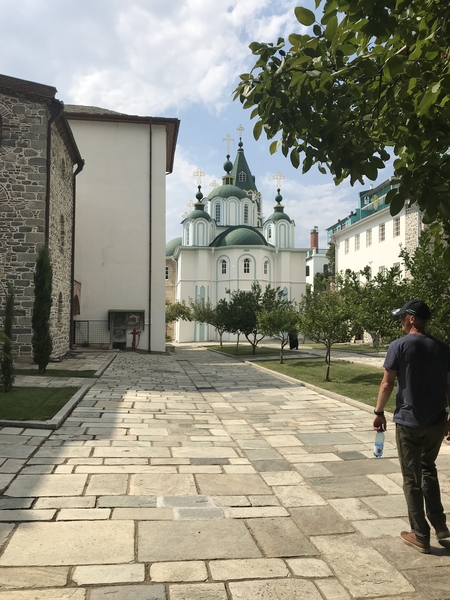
(418, 308)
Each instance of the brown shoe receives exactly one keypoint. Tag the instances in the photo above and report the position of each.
(443, 537)
(409, 538)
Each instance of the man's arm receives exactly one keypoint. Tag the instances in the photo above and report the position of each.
(384, 393)
(447, 431)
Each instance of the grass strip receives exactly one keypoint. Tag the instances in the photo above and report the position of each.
(246, 350)
(34, 403)
(56, 373)
(355, 381)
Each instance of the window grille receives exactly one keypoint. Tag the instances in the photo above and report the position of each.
(266, 267)
(396, 225)
(218, 212)
(242, 177)
(357, 241)
(246, 265)
(245, 214)
(368, 237)
(347, 246)
(382, 232)
(224, 267)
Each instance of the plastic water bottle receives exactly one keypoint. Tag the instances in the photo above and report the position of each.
(379, 444)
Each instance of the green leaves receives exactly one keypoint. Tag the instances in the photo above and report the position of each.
(304, 16)
(366, 78)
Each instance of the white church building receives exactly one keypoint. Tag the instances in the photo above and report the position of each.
(225, 245)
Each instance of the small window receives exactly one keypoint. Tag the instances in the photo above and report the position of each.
(245, 214)
(396, 224)
(246, 265)
(266, 267)
(62, 233)
(357, 241)
(347, 246)
(368, 237)
(224, 267)
(269, 232)
(307, 270)
(242, 176)
(382, 270)
(218, 212)
(187, 233)
(382, 232)
(325, 268)
(167, 272)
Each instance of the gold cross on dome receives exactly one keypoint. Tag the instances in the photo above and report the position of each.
(279, 178)
(214, 183)
(240, 129)
(190, 204)
(228, 139)
(199, 174)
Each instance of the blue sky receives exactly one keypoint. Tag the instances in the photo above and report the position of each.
(172, 58)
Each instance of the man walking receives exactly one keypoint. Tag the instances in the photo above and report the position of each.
(421, 364)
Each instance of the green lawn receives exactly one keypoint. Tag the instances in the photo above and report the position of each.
(55, 373)
(358, 382)
(361, 348)
(36, 404)
(245, 349)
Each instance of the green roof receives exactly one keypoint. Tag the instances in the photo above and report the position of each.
(240, 235)
(241, 165)
(226, 191)
(170, 246)
(199, 212)
(278, 214)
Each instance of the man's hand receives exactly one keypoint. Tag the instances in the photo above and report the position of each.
(447, 431)
(379, 423)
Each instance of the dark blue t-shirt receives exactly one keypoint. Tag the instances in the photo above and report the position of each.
(422, 363)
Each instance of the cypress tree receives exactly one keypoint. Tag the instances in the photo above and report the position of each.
(42, 341)
(6, 357)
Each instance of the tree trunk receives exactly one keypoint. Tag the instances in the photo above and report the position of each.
(328, 361)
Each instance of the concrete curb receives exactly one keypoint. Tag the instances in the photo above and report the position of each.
(315, 388)
(56, 421)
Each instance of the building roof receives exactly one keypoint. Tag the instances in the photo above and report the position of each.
(278, 214)
(95, 113)
(241, 166)
(38, 92)
(239, 235)
(226, 191)
(171, 246)
(199, 212)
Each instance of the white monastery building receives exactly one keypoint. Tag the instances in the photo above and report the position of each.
(120, 226)
(371, 236)
(225, 245)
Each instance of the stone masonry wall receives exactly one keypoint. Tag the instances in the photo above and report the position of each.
(22, 206)
(60, 242)
(23, 181)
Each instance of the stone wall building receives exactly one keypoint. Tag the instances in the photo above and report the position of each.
(39, 161)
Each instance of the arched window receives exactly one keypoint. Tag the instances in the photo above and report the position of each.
(223, 263)
(245, 214)
(266, 267)
(269, 232)
(60, 308)
(242, 176)
(187, 233)
(167, 272)
(246, 265)
(62, 233)
(218, 213)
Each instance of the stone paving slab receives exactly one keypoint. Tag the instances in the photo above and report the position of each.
(193, 475)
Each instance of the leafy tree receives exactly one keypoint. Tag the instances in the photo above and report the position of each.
(325, 319)
(430, 281)
(6, 356)
(368, 77)
(245, 307)
(41, 340)
(276, 322)
(331, 256)
(176, 311)
(219, 316)
(370, 301)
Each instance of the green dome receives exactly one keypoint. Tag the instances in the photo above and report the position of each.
(227, 190)
(199, 212)
(278, 215)
(240, 235)
(170, 246)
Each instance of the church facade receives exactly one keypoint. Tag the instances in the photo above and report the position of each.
(226, 245)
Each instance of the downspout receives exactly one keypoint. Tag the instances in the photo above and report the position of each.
(54, 114)
(79, 168)
(150, 273)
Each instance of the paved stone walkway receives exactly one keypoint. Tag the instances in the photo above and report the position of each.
(192, 476)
